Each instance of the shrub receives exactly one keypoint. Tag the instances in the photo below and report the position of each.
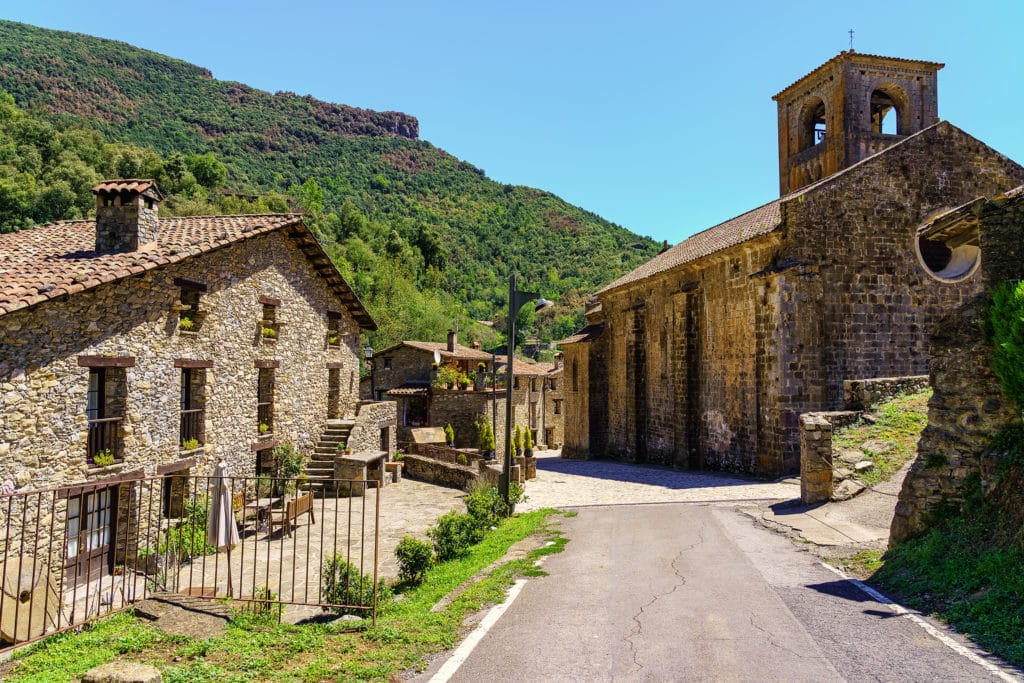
(342, 585)
(190, 444)
(189, 539)
(1006, 315)
(517, 439)
(485, 505)
(414, 559)
(462, 459)
(528, 439)
(288, 460)
(449, 433)
(453, 534)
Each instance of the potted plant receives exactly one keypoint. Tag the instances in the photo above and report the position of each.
(264, 428)
(464, 382)
(268, 332)
(186, 324)
(189, 444)
(517, 441)
(344, 449)
(449, 435)
(103, 458)
(531, 462)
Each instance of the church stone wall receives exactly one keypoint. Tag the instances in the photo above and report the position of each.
(967, 408)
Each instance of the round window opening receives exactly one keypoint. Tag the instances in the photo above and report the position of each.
(948, 260)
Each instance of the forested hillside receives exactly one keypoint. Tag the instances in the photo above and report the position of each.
(425, 238)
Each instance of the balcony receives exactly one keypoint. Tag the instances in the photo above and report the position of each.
(191, 428)
(265, 417)
(105, 436)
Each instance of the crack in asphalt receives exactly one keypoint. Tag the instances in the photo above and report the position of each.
(771, 638)
(639, 628)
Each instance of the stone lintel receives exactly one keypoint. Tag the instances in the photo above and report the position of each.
(267, 364)
(192, 363)
(335, 366)
(176, 466)
(106, 361)
(264, 444)
(190, 284)
(269, 301)
(97, 484)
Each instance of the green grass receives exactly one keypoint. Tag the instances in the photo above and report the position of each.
(861, 564)
(900, 421)
(969, 571)
(406, 632)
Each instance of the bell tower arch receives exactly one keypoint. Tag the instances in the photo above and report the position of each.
(851, 107)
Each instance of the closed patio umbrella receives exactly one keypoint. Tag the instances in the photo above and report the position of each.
(222, 531)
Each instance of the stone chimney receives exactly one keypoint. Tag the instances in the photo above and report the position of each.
(126, 214)
(558, 360)
(474, 345)
(453, 340)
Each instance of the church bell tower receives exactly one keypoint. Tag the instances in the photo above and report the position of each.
(851, 107)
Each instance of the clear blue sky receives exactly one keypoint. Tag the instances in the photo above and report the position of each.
(656, 115)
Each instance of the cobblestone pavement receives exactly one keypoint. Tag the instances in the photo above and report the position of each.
(574, 483)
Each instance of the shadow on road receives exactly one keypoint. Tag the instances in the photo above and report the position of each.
(650, 475)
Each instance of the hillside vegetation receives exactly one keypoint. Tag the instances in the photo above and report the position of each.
(426, 239)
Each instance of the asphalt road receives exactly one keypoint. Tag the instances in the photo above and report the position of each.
(685, 592)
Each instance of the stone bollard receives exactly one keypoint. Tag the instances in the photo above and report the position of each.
(815, 458)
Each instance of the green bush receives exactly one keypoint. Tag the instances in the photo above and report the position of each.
(188, 540)
(414, 559)
(528, 439)
(453, 535)
(485, 505)
(342, 585)
(449, 433)
(1006, 315)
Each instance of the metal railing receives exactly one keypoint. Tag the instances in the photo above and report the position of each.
(105, 435)
(191, 426)
(72, 554)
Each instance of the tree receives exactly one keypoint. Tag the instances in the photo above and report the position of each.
(207, 169)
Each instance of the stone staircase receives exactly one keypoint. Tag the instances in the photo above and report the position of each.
(319, 469)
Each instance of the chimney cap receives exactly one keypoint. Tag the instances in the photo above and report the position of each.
(145, 186)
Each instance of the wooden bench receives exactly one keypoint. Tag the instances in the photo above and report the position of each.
(290, 515)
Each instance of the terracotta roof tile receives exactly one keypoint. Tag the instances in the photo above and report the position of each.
(759, 221)
(588, 333)
(461, 352)
(46, 262)
(125, 184)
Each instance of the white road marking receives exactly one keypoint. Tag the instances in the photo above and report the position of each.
(464, 650)
(934, 632)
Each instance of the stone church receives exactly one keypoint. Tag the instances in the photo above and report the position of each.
(706, 355)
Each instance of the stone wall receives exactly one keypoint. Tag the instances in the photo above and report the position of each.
(967, 408)
(446, 474)
(861, 394)
(401, 365)
(375, 428)
(43, 426)
(552, 432)
(577, 402)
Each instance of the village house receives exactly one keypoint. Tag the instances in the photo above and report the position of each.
(706, 355)
(407, 373)
(135, 345)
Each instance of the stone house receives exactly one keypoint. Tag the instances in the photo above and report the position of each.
(706, 355)
(405, 372)
(165, 343)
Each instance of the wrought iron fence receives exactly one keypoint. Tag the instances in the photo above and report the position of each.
(71, 554)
